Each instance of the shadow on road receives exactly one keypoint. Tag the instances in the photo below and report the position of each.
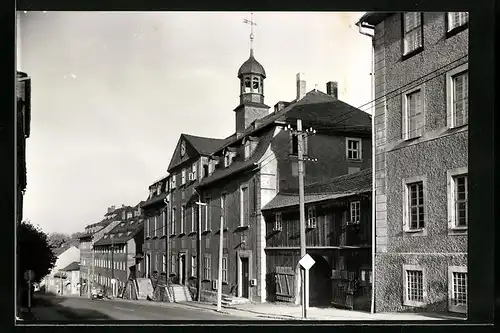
(68, 312)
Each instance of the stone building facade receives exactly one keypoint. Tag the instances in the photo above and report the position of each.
(421, 140)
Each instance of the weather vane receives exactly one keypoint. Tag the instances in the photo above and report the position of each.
(252, 23)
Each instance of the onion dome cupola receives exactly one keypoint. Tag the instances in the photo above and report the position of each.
(251, 75)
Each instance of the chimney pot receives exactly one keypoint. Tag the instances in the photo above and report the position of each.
(301, 85)
(332, 89)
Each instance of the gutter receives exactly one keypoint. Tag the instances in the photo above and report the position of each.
(362, 25)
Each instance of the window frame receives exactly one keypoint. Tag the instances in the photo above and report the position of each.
(409, 54)
(413, 303)
(455, 30)
(451, 306)
(311, 217)
(172, 221)
(450, 109)
(351, 204)
(406, 216)
(242, 205)
(405, 110)
(359, 150)
(224, 270)
(207, 214)
(278, 222)
(182, 220)
(451, 175)
(207, 267)
(193, 265)
(183, 176)
(223, 198)
(193, 218)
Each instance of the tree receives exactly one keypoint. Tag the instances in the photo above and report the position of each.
(76, 235)
(56, 239)
(34, 252)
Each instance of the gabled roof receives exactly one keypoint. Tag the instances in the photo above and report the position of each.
(202, 145)
(315, 108)
(338, 187)
(63, 248)
(133, 225)
(74, 266)
(237, 166)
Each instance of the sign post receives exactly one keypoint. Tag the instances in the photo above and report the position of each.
(306, 262)
(29, 275)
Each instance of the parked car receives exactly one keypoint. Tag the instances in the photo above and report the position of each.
(97, 293)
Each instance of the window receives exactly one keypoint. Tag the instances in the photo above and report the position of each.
(244, 206)
(247, 85)
(164, 221)
(458, 197)
(415, 289)
(224, 269)
(156, 225)
(193, 218)
(146, 225)
(277, 221)
(183, 177)
(247, 149)
(183, 218)
(172, 222)
(173, 262)
(457, 95)
(355, 212)
(255, 84)
(412, 32)
(205, 170)
(457, 289)
(129, 215)
(223, 209)
(294, 141)
(207, 214)
(193, 265)
(415, 201)
(172, 182)
(207, 269)
(456, 20)
(311, 217)
(227, 159)
(413, 114)
(193, 170)
(353, 148)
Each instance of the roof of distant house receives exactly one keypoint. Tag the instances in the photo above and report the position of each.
(335, 188)
(74, 266)
(63, 248)
(122, 232)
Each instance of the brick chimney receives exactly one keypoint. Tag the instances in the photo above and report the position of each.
(301, 86)
(332, 89)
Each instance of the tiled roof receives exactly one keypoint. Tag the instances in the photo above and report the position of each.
(238, 166)
(339, 187)
(61, 249)
(74, 266)
(132, 225)
(315, 108)
(154, 200)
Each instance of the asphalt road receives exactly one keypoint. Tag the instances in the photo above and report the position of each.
(77, 309)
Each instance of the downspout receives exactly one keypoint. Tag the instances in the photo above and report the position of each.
(361, 26)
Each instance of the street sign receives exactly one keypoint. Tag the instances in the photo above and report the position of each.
(29, 275)
(307, 262)
(113, 281)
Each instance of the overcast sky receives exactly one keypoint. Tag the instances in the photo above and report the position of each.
(112, 92)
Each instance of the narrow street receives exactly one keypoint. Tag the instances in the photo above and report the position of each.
(76, 309)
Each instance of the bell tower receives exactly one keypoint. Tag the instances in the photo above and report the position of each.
(251, 75)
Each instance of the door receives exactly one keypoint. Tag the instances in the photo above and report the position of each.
(182, 269)
(244, 277)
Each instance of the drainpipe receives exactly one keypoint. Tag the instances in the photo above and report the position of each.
(361, 26)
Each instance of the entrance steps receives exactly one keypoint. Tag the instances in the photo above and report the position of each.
(233, 300)
(180, 293)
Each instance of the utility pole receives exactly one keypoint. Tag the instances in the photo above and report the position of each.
(113, 283)
(300, 157)
(302, 222)
(167, 237)
(221, 244)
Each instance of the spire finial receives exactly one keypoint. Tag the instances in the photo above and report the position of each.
(252, 36)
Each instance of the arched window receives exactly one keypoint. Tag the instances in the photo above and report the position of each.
(256, 84)
(247, 85)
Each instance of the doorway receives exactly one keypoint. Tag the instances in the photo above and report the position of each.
(244, 277)
(182, 268)
(320, 285)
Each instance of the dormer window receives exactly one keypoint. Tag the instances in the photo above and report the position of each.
(131, 222)
(129, 233)
(129, 215)
(158, 189)
(227, 159)
(247, 149)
